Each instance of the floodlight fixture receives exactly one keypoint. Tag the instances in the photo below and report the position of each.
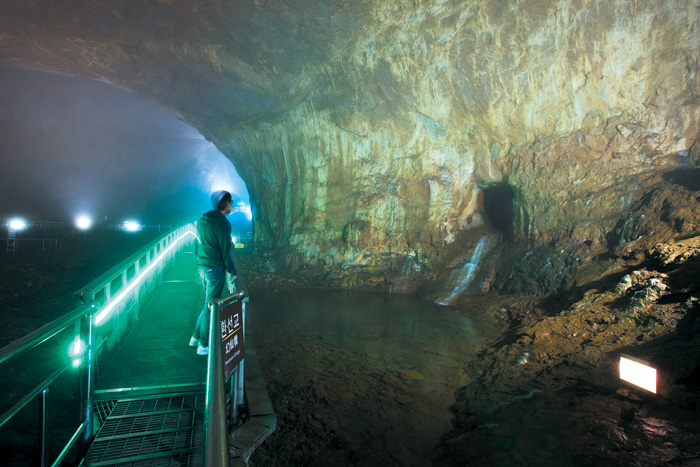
(132, 226)
(83, 222)
(638, 373)
(17, 224)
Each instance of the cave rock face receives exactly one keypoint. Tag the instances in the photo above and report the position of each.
(380, 140)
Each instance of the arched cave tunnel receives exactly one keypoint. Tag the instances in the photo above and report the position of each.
(394, 117)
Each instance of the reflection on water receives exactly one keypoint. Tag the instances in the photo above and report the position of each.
(354, 318)
(388, 365)
(393, 327)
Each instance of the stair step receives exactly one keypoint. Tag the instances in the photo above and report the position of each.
(160, 431)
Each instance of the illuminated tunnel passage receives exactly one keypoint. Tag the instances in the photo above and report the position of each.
(90, 150)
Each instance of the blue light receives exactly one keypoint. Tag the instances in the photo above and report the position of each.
(83, 222)
(132, 226)
(17, 224)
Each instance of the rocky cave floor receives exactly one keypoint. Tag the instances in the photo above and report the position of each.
(544, 392)
(547, 390)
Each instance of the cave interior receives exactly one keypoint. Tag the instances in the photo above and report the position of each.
(386, 145)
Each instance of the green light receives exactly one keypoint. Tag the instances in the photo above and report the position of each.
(104, 312)
(77, 349)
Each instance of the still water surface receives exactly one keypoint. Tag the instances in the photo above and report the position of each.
(386, 367)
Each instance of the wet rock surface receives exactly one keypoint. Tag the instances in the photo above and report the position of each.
(540, 388)
(545, 391)
(548, 393)
(372, 135)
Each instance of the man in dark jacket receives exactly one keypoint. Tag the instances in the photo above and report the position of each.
(213, 253)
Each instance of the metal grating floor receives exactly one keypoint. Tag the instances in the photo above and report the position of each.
(102, 411)
(160, 431)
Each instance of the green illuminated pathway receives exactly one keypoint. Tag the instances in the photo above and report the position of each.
(155, 356)
(156, 382)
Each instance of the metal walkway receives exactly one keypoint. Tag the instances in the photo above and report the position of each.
(151, 395)
(143, 395)
(155, 356)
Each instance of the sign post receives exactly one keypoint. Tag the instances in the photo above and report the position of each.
(233, 351)
(225, 353)
(231, 325)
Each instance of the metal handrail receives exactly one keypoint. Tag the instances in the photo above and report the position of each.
(216, 449)
(38, 389)
(30, 342)
(98, 225)
(45, 332)
(114, 272)
(153, 254)
(83, 318)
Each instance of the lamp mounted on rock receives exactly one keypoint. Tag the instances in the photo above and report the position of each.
(638, 373)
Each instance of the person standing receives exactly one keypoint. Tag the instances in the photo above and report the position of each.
(213, 252)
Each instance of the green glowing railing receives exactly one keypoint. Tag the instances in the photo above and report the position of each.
(114, 299)
(77, 317)
(129, 279)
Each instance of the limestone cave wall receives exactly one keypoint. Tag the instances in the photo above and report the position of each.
(381, 140)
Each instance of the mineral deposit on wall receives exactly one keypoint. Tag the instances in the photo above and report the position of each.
(370, 133)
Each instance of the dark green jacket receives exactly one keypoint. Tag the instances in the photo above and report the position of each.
(214, 247)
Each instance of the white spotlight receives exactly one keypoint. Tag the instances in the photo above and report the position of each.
(83, 222)
(638, 373)
(132, 226)
(17, 224)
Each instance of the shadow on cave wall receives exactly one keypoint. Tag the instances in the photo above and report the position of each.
(498, 207)
(685, 177)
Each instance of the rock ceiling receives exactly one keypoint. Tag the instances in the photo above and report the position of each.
(371, 134)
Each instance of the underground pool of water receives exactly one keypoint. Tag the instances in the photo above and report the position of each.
(361, 377)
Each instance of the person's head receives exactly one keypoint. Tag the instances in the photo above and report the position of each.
(221, 201)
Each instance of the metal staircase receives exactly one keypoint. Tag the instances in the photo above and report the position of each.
(156, 431)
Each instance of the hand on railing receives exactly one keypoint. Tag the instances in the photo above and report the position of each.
(231, 283)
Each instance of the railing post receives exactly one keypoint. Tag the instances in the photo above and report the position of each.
(240, 375)
(233, 413)
(43, 428)
(11, 240)
(216, 451)
(89, 367)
